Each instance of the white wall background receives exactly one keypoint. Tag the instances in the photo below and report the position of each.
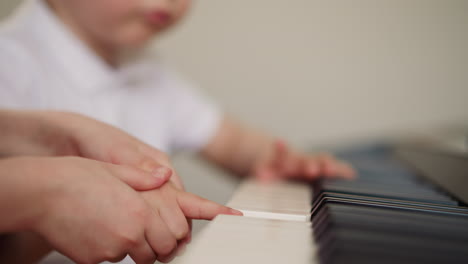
(323, 71)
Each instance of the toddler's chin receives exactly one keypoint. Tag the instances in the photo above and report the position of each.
(135, 40)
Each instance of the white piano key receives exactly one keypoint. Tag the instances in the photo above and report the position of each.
(281, 200)
(277, 216)
(236, 239)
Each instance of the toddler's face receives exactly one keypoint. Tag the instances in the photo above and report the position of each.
(124, 23)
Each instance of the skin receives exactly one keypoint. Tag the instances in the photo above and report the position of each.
(50, 133)
(112, 26)
(115, 154)
(121, 208)
(247, 151)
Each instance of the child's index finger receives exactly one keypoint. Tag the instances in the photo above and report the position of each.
(195, 207)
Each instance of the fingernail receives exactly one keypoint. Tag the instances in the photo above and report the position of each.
(162, 172)
(236, 212)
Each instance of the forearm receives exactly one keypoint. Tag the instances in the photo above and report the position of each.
(15, 133)
(237, 148)
(29, 133)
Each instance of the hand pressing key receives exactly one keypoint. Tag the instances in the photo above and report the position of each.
(92, 211)
(172, 211)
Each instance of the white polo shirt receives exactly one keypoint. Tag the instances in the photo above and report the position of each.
(44, 66)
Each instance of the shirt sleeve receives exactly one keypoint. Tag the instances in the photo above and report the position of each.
(194, 119)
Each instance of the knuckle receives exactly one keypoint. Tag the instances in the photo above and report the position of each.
(108, 254)
(182, 231)
(167, 247)
(141, 214)
(147, 258)
(128, 242)
(112, 255)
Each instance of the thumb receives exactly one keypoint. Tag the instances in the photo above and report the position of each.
(141, 180)
(195, 207)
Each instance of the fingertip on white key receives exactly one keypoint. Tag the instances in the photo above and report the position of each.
(275, 216)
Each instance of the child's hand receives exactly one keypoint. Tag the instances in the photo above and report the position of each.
(175, 207)
(283, 163)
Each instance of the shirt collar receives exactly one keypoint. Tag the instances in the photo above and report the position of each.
(77, 61)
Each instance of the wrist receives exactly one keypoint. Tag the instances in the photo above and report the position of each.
(47, 177)
(27, 192)
(30, 133)
(52, 137)
(15, 133)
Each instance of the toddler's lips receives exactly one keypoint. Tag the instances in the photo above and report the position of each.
(159, 18)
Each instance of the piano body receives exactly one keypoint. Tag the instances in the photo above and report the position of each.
(405, 207)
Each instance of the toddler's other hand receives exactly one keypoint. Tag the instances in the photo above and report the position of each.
(284, 163)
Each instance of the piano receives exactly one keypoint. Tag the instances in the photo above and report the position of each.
(406, 206)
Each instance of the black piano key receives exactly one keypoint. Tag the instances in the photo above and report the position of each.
(388, 215)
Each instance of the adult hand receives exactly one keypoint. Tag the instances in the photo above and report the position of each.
(51, 133)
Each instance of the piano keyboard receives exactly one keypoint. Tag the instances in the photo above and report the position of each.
(387, 215)
(275, 228)
(234, 239)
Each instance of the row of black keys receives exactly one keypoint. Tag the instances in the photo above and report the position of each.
(387, 215)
